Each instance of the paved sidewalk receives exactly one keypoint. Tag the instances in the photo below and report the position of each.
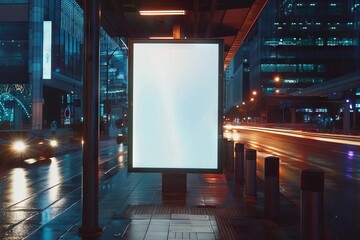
(132, 206)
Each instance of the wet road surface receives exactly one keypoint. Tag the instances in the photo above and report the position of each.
(338, 157)
(35, 193)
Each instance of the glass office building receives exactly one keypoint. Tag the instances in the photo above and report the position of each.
(296, 44)
(41, 65)
(308, 42)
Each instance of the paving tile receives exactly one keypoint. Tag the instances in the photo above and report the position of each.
(159, 220)
(157, 234)
(213, 208)
(158, 228)
(140, 221)
(189, 216)
(137, 227)
(187, 228)
(133, 235)
(205, 236)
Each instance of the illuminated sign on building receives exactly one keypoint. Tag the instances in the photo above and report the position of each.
(47, 50)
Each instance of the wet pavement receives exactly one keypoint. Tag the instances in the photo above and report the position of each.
(132, 206)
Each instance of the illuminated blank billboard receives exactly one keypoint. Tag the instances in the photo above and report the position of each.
(47, 26)
(175, 105)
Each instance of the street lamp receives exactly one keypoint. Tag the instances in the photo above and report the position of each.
(107, 104)
(278, 80)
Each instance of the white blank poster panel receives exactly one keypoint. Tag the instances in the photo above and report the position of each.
(175, 105)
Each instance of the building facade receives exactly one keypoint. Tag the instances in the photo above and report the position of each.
(41, 64)
(296, 44)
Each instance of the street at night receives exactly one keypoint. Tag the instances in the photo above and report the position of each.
(337, 155)
(182, 119)
(35, 194)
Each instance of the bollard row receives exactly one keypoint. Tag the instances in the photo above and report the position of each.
(239, 162)
(312, 204)
(272, 199)
(250, 172)
(312, 188)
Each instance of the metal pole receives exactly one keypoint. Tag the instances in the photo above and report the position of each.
(230, 156)
(250, 173)
(239, 162)
(283, 115)
(346, 117)
(312, 204)
(272, 199)
(107, 105)
(224, 154)
(90, 175)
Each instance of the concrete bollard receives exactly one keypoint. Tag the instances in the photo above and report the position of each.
(239, 162)
(224, 154)
(272, 199)
(312, 204)
(250, 172)
(230, 156)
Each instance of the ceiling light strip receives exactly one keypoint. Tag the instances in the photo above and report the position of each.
(160, 37)
(162, 12)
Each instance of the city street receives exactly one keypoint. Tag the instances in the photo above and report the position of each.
(337, 155)
(112, 111)
(35, 194)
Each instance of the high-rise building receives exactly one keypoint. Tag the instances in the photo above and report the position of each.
(41, 65)
(296, 44)
(304, 42)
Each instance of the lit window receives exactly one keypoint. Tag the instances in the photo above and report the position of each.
(290, 81)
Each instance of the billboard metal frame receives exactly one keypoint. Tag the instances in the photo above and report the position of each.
(131, 168)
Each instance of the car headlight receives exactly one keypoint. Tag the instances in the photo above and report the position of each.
(19, 146)
(53, 143)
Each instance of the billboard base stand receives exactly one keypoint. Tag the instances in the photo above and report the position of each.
(174, 183)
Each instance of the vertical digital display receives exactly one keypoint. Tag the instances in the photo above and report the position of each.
(175, 105)
(47, 28)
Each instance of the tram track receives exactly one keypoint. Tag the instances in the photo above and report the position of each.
(36, 217)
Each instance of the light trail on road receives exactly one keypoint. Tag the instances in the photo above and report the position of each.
(337, 155)
(333, 138)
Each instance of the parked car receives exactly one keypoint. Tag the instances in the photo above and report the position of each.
(16, 146)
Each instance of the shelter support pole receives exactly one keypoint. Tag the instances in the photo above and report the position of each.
(90, 175)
